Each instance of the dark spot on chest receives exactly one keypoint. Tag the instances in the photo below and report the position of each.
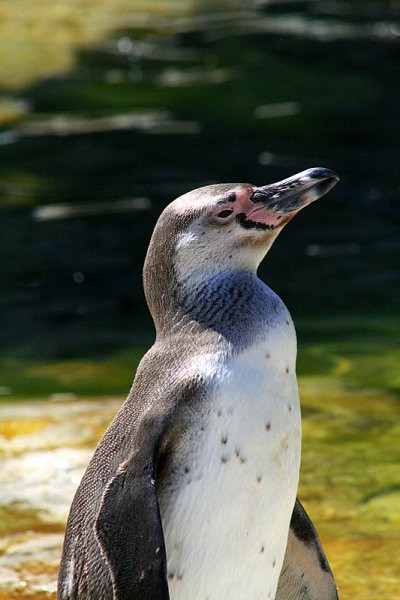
(172, 576)
(241, 458)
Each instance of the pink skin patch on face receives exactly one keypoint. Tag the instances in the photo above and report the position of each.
(272, 206)
(243, 206)
(260, 214)
(280, 205)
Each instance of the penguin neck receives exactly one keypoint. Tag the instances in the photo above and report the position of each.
(230, 305)
(234, 306)
(159, 277)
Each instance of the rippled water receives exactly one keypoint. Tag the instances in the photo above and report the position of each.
(106, 115)
(166, 101)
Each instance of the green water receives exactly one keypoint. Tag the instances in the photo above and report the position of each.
(106, 115)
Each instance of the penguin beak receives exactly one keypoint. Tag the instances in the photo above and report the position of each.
(287, 197)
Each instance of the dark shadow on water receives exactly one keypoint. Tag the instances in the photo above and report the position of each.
(155, 111)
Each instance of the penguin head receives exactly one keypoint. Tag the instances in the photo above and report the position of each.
(230, 227)
(223, 228)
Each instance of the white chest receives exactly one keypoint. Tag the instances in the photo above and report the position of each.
(226, 516)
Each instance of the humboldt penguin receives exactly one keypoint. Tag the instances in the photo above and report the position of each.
(191, 493)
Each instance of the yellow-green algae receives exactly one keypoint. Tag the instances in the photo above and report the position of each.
(38, 39)
(350, 482)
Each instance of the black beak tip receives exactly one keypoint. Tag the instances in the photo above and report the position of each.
(323, 180)
(296, 191)
(321, 174)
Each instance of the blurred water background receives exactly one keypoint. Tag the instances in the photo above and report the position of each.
(111, 109)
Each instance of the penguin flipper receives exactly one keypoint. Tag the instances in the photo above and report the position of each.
(129, 531)
(305, 574)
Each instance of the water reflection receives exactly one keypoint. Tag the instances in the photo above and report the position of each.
(151, 122)
(171, 102)
(176, 99)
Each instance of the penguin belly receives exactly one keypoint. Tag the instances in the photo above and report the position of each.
(228, 497)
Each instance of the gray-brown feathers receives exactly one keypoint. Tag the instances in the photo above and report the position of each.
(114, 542)
(305, 574)
(208, 306)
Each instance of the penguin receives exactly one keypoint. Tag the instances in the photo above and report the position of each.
(191, 492)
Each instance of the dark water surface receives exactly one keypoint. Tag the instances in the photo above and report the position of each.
(244, 94)
(179, 96)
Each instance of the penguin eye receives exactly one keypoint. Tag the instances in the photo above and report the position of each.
(224, 214)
